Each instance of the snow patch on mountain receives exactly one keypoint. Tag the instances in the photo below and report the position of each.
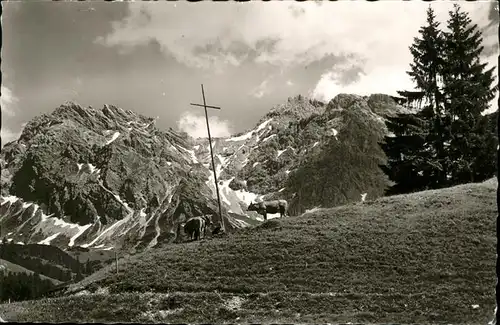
(107, 232)
(223, 161)
(117, 197)
(51, 224)
(78, 234)
(54, 227)
(9, 198)
(224, 189)
(335, 132)
(115, 136)
(142, 217)
(157, 225)
(48, 225)
(243, 137)
(191, 154)
(246, 196)
(280, 152)
(263, 124)
(47, 240)
(92, 168)
(88, 167)
(249, 134)
(27, 205)
(269, 137)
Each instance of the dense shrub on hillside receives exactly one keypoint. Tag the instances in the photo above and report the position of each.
(347, 168)
(286, 138)
(313, 133)
(22, 286)
(46, 260)
(257, 179)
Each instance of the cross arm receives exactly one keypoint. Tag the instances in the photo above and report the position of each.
(215, 107)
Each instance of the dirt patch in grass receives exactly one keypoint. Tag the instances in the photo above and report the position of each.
(426, 257)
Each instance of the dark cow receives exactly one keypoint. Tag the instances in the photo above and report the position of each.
(195, 226)
(265, 207)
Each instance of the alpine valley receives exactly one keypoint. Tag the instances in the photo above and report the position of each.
(108, 178)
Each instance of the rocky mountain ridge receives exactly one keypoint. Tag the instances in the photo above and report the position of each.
(103, 178)
(302, 146)
(99, 177)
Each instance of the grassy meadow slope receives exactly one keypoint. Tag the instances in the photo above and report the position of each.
(426, 257)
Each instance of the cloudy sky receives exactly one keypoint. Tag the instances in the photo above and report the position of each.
(151, 57)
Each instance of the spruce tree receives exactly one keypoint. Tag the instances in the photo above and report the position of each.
(416, 156)
(469, 89)
(456, 144)
(88, 267)
(406, 154)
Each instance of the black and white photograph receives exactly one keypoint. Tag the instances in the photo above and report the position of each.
(249, 162)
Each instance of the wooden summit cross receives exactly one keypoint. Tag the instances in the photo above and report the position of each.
(211, 154)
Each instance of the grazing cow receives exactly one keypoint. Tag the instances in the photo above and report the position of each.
(195, 226)
(265, 207)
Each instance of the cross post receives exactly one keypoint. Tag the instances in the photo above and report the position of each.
(211, 153)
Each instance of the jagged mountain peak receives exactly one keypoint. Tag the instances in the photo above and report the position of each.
(380, 104)
(280, 155)
(344, 100)
(296, 107)
(108, 126)
(100, 177)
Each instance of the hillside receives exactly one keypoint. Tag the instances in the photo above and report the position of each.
(6, 266)
(51, 261)
(426, 257)
(109, 179)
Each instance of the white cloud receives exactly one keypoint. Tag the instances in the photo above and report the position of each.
(373, 35)
(8, 101)
(8, 135)
(259, 94)
(329, 85)
(380, 31)
(196, 126)
(289, 83)
(261, 89)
